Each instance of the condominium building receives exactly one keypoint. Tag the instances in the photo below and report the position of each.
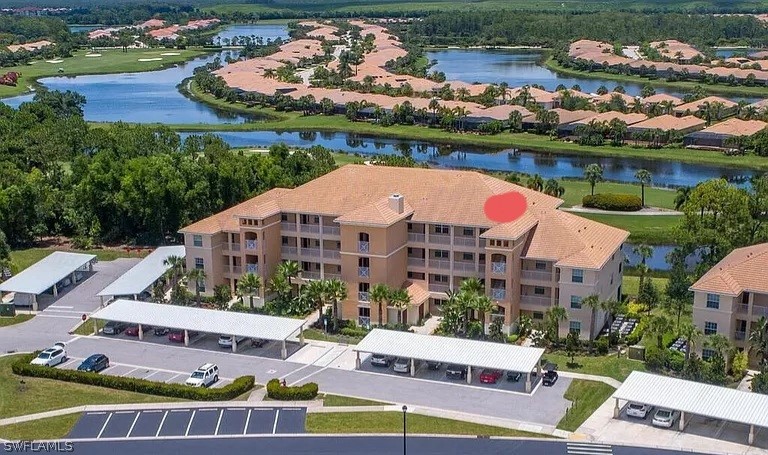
(732, 296)
(419, 229)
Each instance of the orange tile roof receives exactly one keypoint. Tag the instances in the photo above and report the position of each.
(670, 122)
(30, 46)
(513, 230)
(736, 127)
(377, 213)
(227, 219)
(743, 270)
(661, 97)
(608, 97)
(696, 105)
(417, 292)
(564, 116)
(629, 119)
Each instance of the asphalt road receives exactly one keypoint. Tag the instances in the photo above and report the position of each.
(339, 445)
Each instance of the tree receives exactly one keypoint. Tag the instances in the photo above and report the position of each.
(593, 174)
(317, 292)
(554, 316)
(611, 306)
(647, 91)
(337, 291)
(648, 294)
(483, 305)
(197, 276)
(722, 347)
(645, 252)
(572, 343)
(515, 121)
(554, 188)
(175, 270)
(535, 182)
(658, 326)
(379, 296)
(644, 177)
(682, 195)
(400, 300)
(248, 284)
(677, 308)
(593, 303)
(678, 286)
(692, 335)
(290, 270)
(758, 341)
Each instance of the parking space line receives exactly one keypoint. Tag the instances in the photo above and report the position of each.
(150, 374)
(123, 412)
(133, 424)
(277, 416)
(160, 427)
(172, 378)
(129, 372)
(98, 412)
(189, 425)
(247, 419)
(218, 422)
(104, 426)
(151, 411)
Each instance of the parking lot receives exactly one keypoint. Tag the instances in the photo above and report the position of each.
(179, 423)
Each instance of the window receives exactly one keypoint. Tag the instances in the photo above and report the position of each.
(538, 315)
(440, 278)
(620, 267)
(284, 240)
(576, 302)
(538, 290)
(577, 276)
(442, 229)
(469, 232)
(199, 263)
(415, 275)
(710, 328)
(364, 316)
(541, 265)
(707, 354)
(283, 217)
(363, 262)
(363, 287)
(468, 256)
(197, 240)
(363, 237)
(713, 301)
(574, 327)
(440, 254)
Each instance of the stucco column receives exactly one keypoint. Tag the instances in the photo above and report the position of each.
(186, 337)
(301, 336)
(90, 266)
(357, 361)
(469, 374)
(55, 290)
(538, 368)
(234, 343)
(751, 434)
(73, 278)
(681, 424)
(141, 332)
(34, 302)
(528, 382)
(616, 409)
(413, 367)
(95, 327)
(135, 297)
(283, 350)
(101, 297)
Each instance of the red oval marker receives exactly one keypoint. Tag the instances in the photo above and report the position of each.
(504, 208)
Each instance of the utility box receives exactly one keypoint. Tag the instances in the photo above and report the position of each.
(7, 309)
(636, 352)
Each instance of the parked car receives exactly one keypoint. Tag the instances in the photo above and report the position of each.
(665, 418)
(402, 365)
(204, 376)
(225, 341)
(514, 376)
(550, 378)
(133, 330)
(96, 363)
(638, 410)
(258, 342)
(489, 376)
(50, 357)
(434, 365)
(113, 327)
(178, 335)
(454, 371)
(379, 360)
(161, 331)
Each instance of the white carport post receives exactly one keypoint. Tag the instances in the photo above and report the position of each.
(135, 297)
(469, 374)
(301, 334)
(141, 332)
(55, 291)
(616, 410)
(34, 302)
(283, 350)
(751, 434)
(682, 423)
(357, 360)
(234, 343)
(528, 382)
(413, 367)
(186, 337)
(95, 327)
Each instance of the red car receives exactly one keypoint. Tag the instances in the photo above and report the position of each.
(490, 376)
(178, 335)
(133, 330)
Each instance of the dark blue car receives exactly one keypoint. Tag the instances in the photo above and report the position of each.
(96, 363)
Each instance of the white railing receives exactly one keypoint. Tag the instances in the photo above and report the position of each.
(364, 321)
(287, 226)
(444, 264)
(363, 272)
(251, 244)
(499, 267)
(289, 251)
(252, 268)
(439, 238)
(330, 276)
(311, 228)
(464, 266)
(310, 252)
(331, 230)
(482, 243)
(416, 262)
(307, 275)
(535, 300)
(234, 247)
(464, 241)
(536, 275)
(363, 296)
(498, 293)
(331, 254)
(439, 287)
(416, 237)
(363, 247)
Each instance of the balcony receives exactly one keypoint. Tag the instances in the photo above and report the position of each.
(499, 268)
(464, 241)
(742, 308)
(460, 266)
(482, 243)
(364, 321)
(759, 311)
(311, 228)
(289, 251)
(416, 237)
(252, 268)
(444, 264)
(416, 262)
(331, 230)
(498, 293)
(537, 275)
(331, 254)
(310, 275)
(231, 246)
(363, 296)
(251, 244)
(439, 287)
(363, 272)
(310, 252)
(538, 300)
(331, 276)
(236, 270)
(363, 247)
(739, 335)
(287, 226)
(441, 239)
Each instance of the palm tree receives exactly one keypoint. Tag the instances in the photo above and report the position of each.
(472, 285)
(645, 252)
(197, 276)
(722, 345)
(610, 306)
(554, 188)
(175, 266)
(658, 325)
(667, 107)
(758, 339)
(317, 292)
(535, 182)
(270, 73)
(248, 284)
(461, 113)
(593, 174)
(380, 294)
(337, 291)
(483, 305)
(556, 314)
(644, 177)
(400, 300)
(682, 196)
(290, 270)
(503, 87)
(280, 285)
(691, 334)
(593, 303)
(462, 93)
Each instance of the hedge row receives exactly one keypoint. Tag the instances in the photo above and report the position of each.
(305, 392)
(611, 201)
(230, 391)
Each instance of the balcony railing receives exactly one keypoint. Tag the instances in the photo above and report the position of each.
(464, 241)
(439, 238)
(498, 293)
(416, 237)
(364, 321)
(310, 275)
(289, 251)
(499, 267)
(252, 268)
(363, 296)
(740, 335)
(363, 247)
(536, 275)
(439, 287)
(535, 300)
(363, 272)
(331, 230)
(331, 254)
(236, 270)
(482, 243)
(464, 266)
(234, 247)
(311, 228)
(759, 310)
(416, 262)
(310, 252)
(742, 308)
(444, 264)
(251, 244)
(330, 276)
(287, 226)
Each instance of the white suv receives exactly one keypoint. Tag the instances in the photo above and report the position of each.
(204, 376)
(53, 356)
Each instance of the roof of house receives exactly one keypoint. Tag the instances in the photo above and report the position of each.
(564, 116)
(416, 292)
(736, 127)
(608, 97)
(696, 105)
(227, 220)
(629, 119)
(742, 270)
(376, 213)
(670, 122)
(661, 97)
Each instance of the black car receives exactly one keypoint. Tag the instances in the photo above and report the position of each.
(550, 377)
(95, 363)
(434, 365)
(114, 327)
(258, 342)
(456, 371)
(161, 331)
(514, 376)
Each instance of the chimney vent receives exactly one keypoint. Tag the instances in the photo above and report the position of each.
(397, 203)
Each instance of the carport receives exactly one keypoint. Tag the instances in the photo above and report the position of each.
(188, 319)
(143, 275)
(694, 398)
(46, 274)
(460, 351)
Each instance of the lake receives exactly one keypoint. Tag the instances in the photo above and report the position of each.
(266, 31)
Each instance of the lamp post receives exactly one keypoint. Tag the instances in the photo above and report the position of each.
(405, 408)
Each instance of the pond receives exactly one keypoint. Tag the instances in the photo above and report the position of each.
(548, 165)
(266, 31)
(658, 259)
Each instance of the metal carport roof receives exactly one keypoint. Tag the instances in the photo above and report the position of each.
(482, 354)
(46, 272)
(695, 397)
(142, 275)
(200, 319)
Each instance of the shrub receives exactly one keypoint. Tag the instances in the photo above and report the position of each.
(634, 337)
(676, 361)
(353, 332)
(655, 358)
(238, 387)
(305, 392)
(601, 346)
(612, 201)
(512, 338)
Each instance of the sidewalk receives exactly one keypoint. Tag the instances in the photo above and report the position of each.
(591, 377)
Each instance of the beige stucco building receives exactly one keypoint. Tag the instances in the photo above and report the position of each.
(420, 229)
(732, 296)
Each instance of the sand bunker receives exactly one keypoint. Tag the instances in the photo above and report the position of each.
(150, 59)
(171, 53)
(54, 61)
(93, 55)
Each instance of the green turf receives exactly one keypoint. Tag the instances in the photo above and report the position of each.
(585, 397)
(610, 365)
(631, 284)
(18, 319)
(575, 190)
(42, 429)
(24, 258)
(315, 334)
(340, 400)
(648, 229)
(86, 328)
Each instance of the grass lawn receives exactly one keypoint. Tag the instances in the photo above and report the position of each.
(40, 395)
(86, 328)
(631, 284)
(575, 190)
(651, 230)
(392, 422)
(316, 334)
(586, 397)
(50, 428)
(340, 400)
(24, 258)
(346, 158)
(18, 319)
(610, 365)
(111, 61)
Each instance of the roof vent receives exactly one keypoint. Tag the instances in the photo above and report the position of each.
(397, 203)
